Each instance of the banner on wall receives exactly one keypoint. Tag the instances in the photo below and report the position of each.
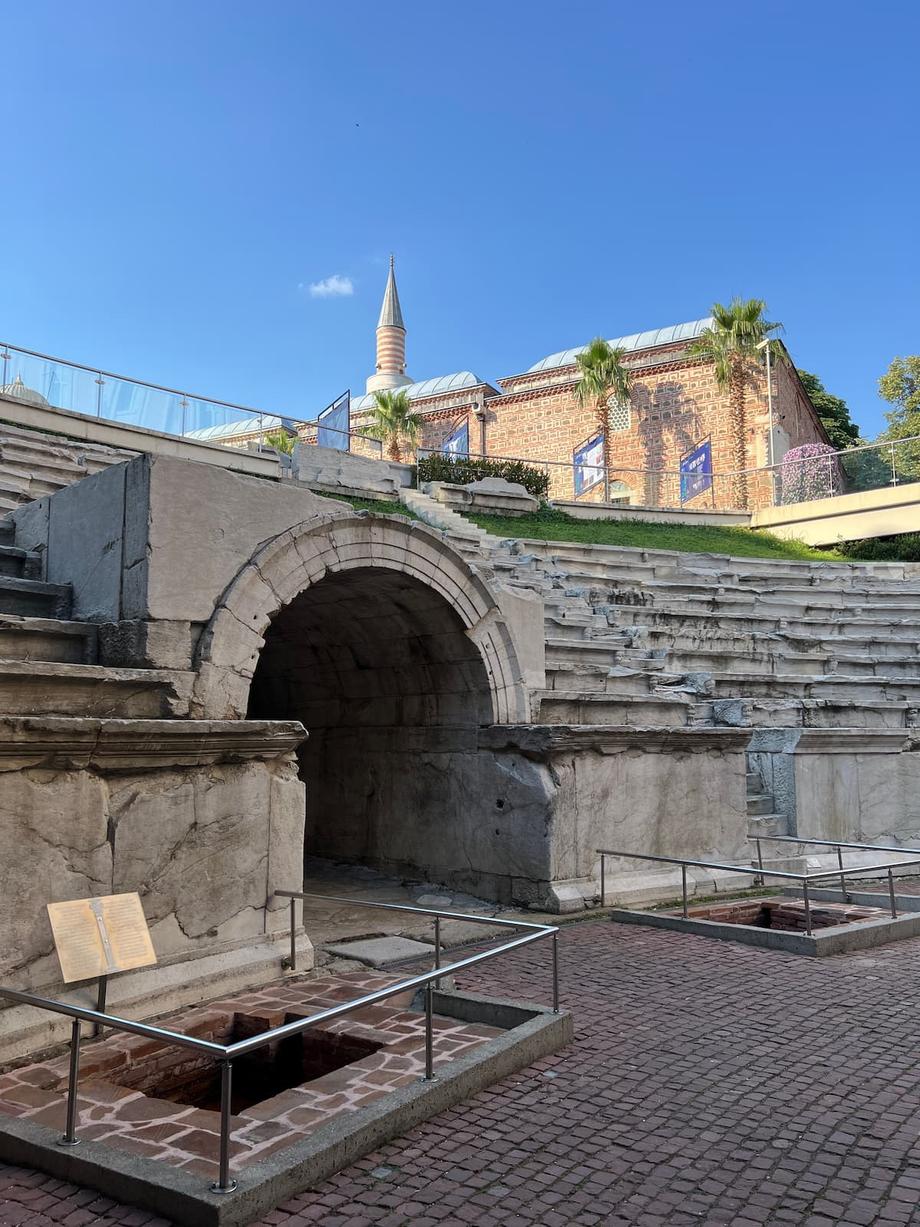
(588, 462)
(696, 471)
(334, 423)
(457, 443)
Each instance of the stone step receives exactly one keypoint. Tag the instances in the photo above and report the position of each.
(41, 688)
(759, 804)
(758, 623)
(48, 639)
(7, 531)
(754, 783)
(46, 463)
(600, 680)
(601, 652)
(770, 568)
(647, 711)
(805, 686)
(13, 481)
(803, 713)
(10, 502)
(767, 824)
(21, 563)
(32, 598)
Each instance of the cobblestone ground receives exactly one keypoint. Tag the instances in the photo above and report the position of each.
(709, 1083)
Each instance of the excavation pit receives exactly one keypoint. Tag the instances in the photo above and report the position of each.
(148, 1119)
(777, 922)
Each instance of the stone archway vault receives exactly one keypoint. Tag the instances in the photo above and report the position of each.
(394, 654)
(304, 555)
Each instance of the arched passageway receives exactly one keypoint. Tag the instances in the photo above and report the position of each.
(393, 653)
(378, 668)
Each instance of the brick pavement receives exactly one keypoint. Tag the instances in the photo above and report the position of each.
(709, 1083)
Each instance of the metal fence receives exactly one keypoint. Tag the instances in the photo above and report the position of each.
(760, 874)
(225, 1054)
(117, 398)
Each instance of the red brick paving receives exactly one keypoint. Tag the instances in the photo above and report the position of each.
(709, 1084)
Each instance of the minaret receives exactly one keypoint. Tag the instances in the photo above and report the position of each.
(391, 342)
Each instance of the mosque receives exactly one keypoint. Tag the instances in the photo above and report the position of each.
(675, 411)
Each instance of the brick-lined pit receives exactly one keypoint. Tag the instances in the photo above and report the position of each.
(162, 1101)
(787, 915)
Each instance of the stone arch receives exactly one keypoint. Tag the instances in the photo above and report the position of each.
(393, 653)
(301, 557)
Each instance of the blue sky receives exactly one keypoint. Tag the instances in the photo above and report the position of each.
(178, 175)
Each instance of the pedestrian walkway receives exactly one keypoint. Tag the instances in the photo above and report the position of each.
(708, 1084)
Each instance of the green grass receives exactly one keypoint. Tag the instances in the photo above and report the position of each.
(549, 524)
(379, 506)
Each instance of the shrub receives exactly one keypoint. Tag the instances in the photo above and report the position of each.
(461, 470)
(905, 547)
(810, 471)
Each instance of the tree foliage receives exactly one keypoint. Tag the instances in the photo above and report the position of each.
(900, 387)
(394, 422)
(732, 343)
(601, 374)
(833, 412)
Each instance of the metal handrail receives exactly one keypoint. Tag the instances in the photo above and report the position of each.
(760, 872)
(838, 845)
(225, 1054)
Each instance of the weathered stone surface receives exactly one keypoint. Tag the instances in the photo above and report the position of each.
(380, 951)
(53, 830)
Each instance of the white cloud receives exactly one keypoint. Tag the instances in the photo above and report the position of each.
(335, 286)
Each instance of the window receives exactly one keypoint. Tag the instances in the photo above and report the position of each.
(619, 414)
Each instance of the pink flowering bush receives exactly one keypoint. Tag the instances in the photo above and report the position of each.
(810, 471)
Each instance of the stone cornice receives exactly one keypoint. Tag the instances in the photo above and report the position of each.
(65, 744)
(544, 739)
(855, 741)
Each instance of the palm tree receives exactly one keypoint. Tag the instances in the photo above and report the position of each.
(281, 441)
(732, 343)
(392, 420)
(602, 375)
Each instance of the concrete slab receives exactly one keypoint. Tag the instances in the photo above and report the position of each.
(381, 951)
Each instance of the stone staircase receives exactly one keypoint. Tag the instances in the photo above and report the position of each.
(34, 464)
(49, 665)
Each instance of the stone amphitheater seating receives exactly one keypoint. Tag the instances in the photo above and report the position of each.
(633, 638)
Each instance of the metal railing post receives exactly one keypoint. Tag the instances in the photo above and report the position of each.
(224, 1184)
(70, 1129)
(429, 1041)
(437, 947)
(99, 382)
(891, 895)
(843, 881)
(555, 973)
(603, 881)
(761, 881)
(807, 906)
(293, 942)
(894, 471)
(683, 888)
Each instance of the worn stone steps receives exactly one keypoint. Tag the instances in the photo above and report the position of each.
(804, 713)
(48, 639)
(839, 688)
(631, 711)
(767, 658)
(829, 627)
(17, 562)
(760, 805)
(39, 688)
(33, 598)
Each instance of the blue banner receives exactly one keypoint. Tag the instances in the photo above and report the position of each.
(457, 444)
(588, 460)
(696, 472)
(334, 423)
